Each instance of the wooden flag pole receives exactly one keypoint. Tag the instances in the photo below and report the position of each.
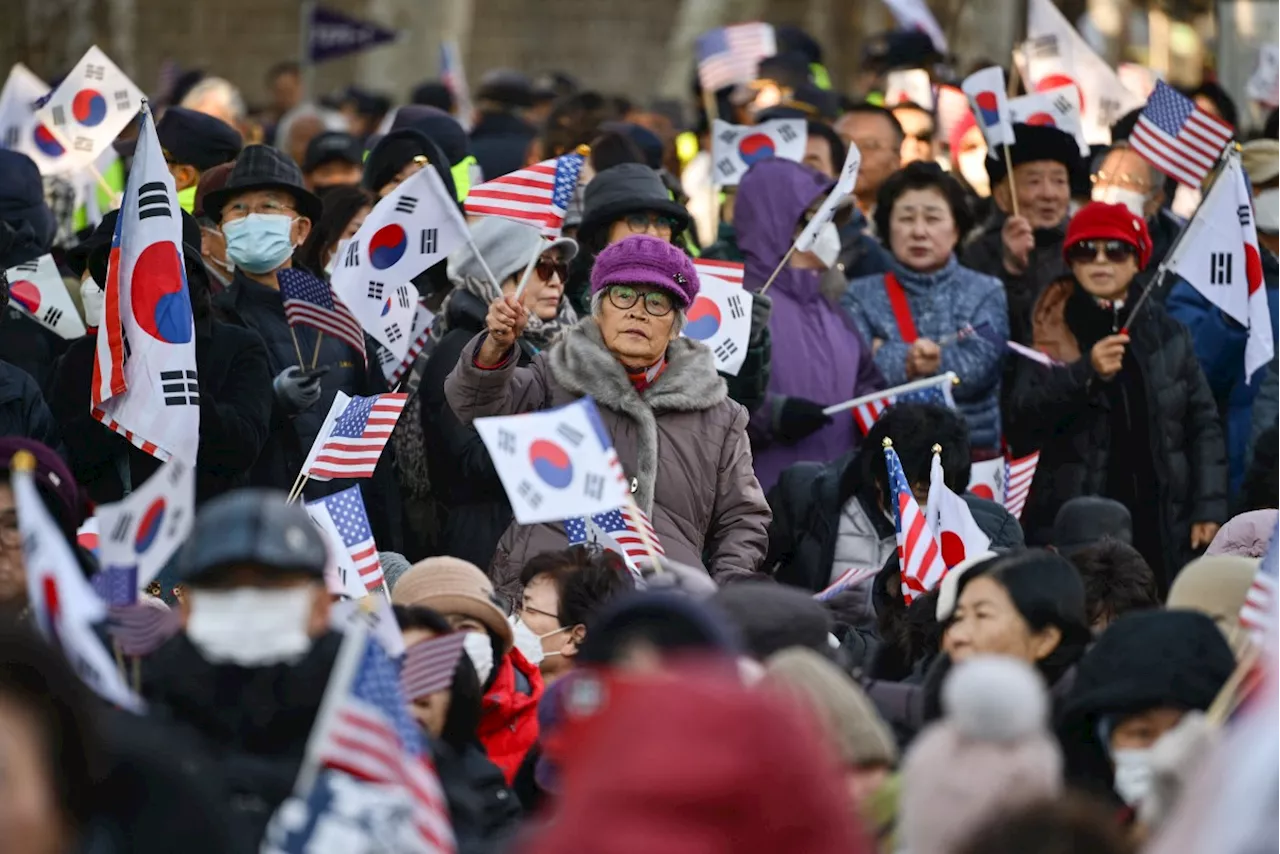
(297, 491)
(709, 104)
(778, 269)
(296, 349)
(1229, 697)
(315, 355)
(1013, 187)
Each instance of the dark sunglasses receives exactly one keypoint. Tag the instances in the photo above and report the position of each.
(656, 303)
(546, 267)
(1117, 251)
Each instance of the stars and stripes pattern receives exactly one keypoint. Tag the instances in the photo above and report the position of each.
(537, 195)
(309, 301)
(141, 628)
(847, 579)
(346, 508)
(624, 526)
(1019, 475)
(868, 413)
(371, 737)
(116, 585)
(1258, 611)
(429, 665)
(730, 55)
(919, 556)
(1177, 137)
(725, 271)
(359, 434)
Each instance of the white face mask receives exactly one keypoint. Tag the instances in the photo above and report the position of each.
(1266, 207)
(1133, 774)
(251, 626)
(973, 166)
(1114, 195)
(332, 264)
(479, 649)
(826, 247)
(530, 644)
(91, 295)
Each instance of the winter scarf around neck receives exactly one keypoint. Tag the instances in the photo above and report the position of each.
(539, 333)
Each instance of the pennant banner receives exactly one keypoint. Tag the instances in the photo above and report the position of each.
(37, 289)
(331, 34)
(736, 148)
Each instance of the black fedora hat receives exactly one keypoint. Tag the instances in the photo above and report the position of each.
(261, 167)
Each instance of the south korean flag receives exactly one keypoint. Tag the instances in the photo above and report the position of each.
(720, 317)
(37, 289)
(736, 148)
(408, 231)
(88, 110)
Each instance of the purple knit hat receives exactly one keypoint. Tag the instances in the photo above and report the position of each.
(645, 260)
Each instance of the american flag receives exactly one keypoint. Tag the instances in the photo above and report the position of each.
(537, 195)
(454, 77)
(725, 271)
(308, 301)
(116, 585)
(370, 736)
(918, 553)
(429, 665)
(1019, 475)
(868, 413)
(141, 628)
(731, 55)
(361, 431)
(623, 527)
(1179, 138)
(346, 508)
(1259, 609)
(847, 579)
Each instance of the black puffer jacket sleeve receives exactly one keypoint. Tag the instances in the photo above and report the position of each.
(1206, 447)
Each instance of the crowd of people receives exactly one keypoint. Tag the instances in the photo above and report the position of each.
(740, 693)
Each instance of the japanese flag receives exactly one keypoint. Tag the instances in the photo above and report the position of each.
(151, 523)
(62, 602)
(145, 385)
(555, 464)
(910, 86)
(841, 191)
(720, 317)
(408, 231)
(1058, 108)
(37, 289)
(985, 91)
(952, 522)
(736, 148)
(89, 108)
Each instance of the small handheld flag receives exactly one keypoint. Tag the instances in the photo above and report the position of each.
(37, 289)
(951, 520)
(89, 108)
(842, 190)
(730, 55)
(868, 408)
(145, 529)
(354, 547)
(986, 93)
(1005, 480)
(736, 148)
(429, 665)
(720, 317)
(1057, 108)
(352, 438)
(309, 301)
(394, 369)
(919, 557)
(726, 271)
(20, 130)
(1177, 137)
(537, 195)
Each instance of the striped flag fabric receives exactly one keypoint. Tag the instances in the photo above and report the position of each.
(952, 522)
(346, 509)
(1258, 611)
(726, 271)
(1177, 137)
(537, 195)
(142, 627)
(622, 527)
(393, 369)
(366, 732)
(847, 579)
(730, 55)
(1019, 475)
(938, 394)
(309, 301)
(919, 556)
(353, 436)
(429, 665)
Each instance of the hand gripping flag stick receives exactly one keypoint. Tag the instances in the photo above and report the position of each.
(915, 385)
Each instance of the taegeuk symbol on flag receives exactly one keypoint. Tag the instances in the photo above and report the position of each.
(153, 397)
(720, 317)
(37, 289)
(89, 108)
(555, 464)
(145, 529)
(736, 148)
(394, 369)
(985, 91)
(411, 229)
(19, 128)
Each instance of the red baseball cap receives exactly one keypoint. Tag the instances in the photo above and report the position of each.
(1101, 221)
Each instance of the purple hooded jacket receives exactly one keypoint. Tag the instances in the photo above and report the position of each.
(817, 353)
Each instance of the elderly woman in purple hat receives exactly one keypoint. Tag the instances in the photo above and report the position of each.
(680, 439)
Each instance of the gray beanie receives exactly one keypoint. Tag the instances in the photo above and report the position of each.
(506, 247)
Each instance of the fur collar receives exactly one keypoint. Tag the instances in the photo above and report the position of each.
(580, 363)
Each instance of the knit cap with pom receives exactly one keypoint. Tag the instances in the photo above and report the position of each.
(991, 753)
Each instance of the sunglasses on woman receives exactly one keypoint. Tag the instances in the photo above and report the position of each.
(547, 267)
(656, 303)
(1116, 251)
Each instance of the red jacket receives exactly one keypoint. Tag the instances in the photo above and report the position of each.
(509, 715)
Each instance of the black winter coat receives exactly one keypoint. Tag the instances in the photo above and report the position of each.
(250, 724)
(985, 253)
(235, 408)
(1067, 412)
(470, 500)
(485, 812)
(26, 344)
(22, 408)
(807, 501)
(500, 143)
(260, 308)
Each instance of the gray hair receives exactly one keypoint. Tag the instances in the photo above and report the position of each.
(219, 90)
(597, 299)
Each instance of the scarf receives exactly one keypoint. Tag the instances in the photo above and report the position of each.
(538, 333)
(641, 380)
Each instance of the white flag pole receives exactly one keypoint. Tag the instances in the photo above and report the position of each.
(528, 268)
(915, 385)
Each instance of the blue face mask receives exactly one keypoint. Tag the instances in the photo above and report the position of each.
(259, 243)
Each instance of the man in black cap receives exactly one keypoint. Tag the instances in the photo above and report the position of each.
(334, 159)
(501, 137)
(246, 675)
(193, 143)
(1024, 250)
(235, 390)
(265, 213)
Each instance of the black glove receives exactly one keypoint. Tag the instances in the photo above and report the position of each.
(296, 393)
(761, 308)
(797, 418)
